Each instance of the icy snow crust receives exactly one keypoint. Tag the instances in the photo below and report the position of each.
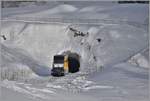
(27, 54)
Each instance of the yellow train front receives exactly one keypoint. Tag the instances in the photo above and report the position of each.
(65, 63)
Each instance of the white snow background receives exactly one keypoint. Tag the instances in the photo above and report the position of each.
(35, 33)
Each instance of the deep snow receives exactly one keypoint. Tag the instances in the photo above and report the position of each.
(104, 75)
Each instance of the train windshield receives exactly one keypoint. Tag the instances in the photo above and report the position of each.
(58, 65)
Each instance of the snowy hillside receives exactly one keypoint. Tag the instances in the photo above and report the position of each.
(111, 69)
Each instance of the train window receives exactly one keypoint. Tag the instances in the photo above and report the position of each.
(58, 65)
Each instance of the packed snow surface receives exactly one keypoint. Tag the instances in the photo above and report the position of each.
(111, 69)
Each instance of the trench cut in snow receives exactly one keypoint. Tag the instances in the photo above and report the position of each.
(119, 41)
(116, 33)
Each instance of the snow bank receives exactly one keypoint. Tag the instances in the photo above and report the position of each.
(19, 56)
(28, 8)
(128, 82)
(64, 8)
(141, 59)
(31, 92)
(42, 41)
(118, 43)
(59, 9)
(95, 8)
(15, 72)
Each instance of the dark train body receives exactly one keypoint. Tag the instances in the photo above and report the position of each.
(67, 62)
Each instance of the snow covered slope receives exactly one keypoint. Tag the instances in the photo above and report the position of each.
(127, 83)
